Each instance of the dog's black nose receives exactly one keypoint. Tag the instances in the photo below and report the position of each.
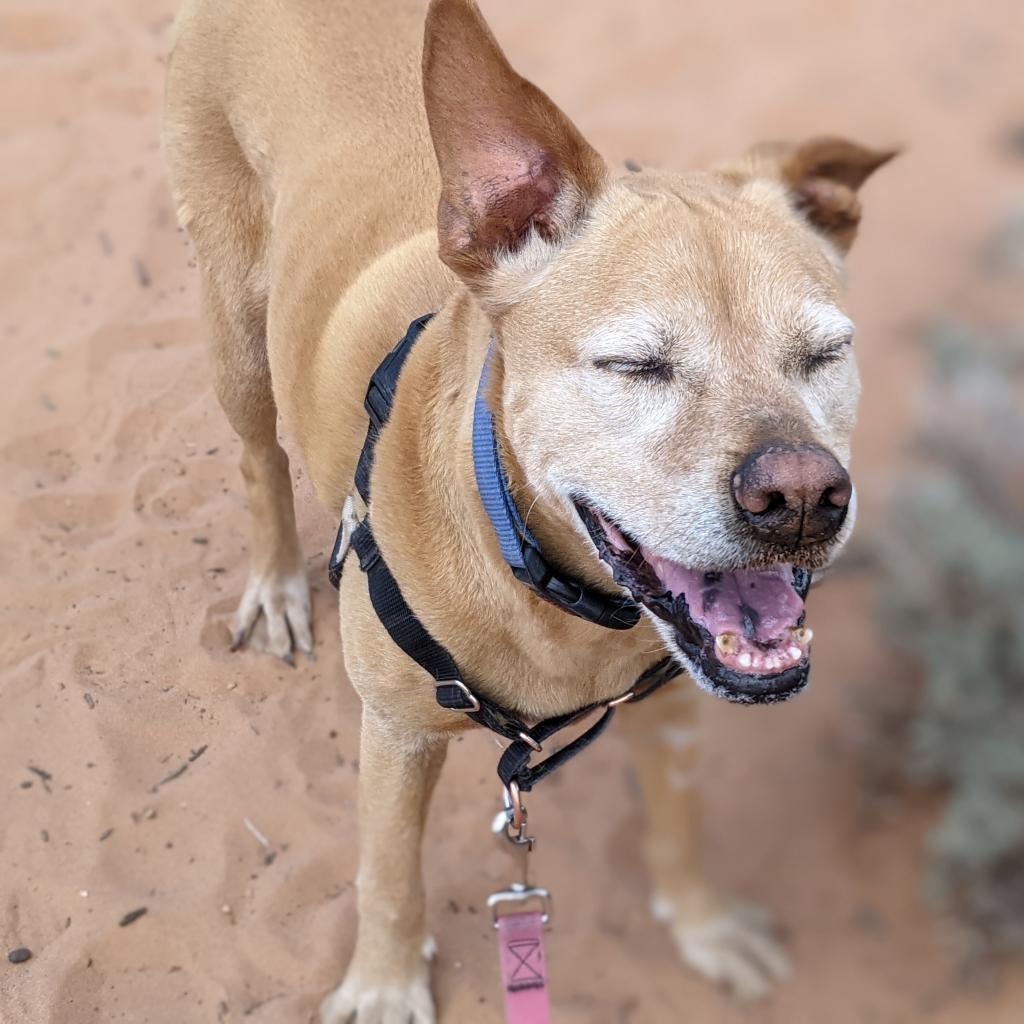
(792, 494)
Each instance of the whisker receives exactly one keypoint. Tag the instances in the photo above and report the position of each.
(526, 518)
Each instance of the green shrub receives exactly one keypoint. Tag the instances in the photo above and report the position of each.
(954, 601)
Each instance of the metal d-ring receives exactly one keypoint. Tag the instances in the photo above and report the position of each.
(514, 807)
(530, 742)
(474, 704)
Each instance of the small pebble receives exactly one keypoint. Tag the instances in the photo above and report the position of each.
(141, 273)
(132, 916)
(19, 956)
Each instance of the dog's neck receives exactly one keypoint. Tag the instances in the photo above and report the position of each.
(519, 547)
(518, 648)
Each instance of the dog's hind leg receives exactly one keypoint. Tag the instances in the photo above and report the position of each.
(729, 944)
(222, 205)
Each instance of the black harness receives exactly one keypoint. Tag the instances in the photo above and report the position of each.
(527, 562)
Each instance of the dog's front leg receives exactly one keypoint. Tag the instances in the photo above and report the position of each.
(388, 978)
(729, 944)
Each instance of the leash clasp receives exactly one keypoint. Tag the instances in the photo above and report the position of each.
(511, 822)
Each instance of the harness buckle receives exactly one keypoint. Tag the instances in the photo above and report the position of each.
(592, 605)
(519, 893)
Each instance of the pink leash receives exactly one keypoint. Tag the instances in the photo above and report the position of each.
(523, 968)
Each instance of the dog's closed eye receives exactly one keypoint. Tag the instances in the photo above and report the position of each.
(651, 367)
(835, 352)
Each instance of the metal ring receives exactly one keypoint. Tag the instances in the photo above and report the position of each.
(530, 742)
(621, 700)
(519, 893)
(515, 804)
(469, 695)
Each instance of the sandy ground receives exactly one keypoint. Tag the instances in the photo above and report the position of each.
(134, 747)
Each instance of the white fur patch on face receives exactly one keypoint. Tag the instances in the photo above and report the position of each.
(638, 411)
(825, 326)
(663, 328)
(825, 322)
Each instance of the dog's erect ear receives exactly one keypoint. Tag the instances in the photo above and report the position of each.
(823, 176)
(510, 160)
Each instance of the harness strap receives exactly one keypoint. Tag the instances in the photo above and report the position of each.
(452, 693)
(524, 556)
(396, 616)
(515, 766)
(380, 396)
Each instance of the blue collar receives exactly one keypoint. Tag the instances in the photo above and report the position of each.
(519, 547)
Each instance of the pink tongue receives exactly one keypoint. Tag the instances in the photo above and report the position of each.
(760, 604)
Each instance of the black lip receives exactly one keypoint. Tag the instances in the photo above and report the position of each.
(696, 642)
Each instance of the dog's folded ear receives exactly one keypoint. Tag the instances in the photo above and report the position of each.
(513, 166)
(823, 176)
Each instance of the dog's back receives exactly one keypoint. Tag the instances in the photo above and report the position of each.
(299, 156)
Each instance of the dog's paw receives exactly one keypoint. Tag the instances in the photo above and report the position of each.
(275, 616)
(736, 948)
(355, 1003)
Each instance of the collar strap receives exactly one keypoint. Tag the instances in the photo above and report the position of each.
(519, 547)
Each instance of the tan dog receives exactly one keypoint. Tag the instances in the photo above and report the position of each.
(673, 386)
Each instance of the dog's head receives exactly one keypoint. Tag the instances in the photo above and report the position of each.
(676, 372)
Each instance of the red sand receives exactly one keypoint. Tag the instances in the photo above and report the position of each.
(123, 532)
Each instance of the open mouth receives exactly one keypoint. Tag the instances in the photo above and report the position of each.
(741, 630)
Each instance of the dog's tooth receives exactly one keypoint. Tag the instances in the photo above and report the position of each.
(802, 635)
(727, 643)
(796, 653)
(745, 660)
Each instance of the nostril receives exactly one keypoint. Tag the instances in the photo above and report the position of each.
(760, 502)
(774, 501)
(837, 496)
